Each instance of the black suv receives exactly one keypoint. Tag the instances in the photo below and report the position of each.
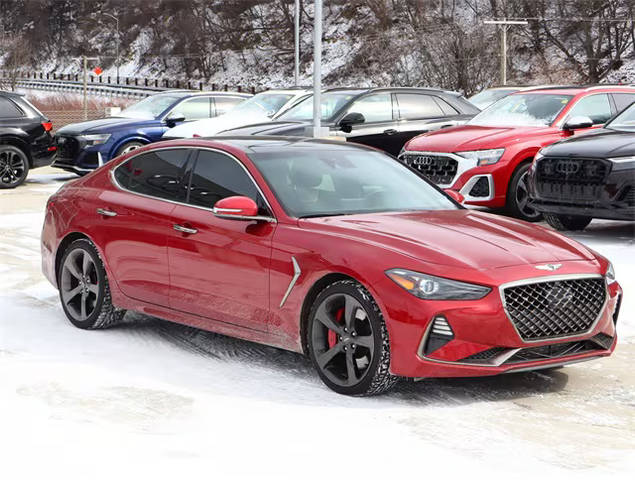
(25, 139)
(384, 118)
(587, 176)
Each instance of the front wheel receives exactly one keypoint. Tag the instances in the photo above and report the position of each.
(348, 341)
(518, 203)
(84, 288)
(128, 147)
(567, 222)
(14, 166)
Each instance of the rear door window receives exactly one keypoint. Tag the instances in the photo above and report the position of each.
(596, 107)
(8, 109)
(414, 106)
(160, 174)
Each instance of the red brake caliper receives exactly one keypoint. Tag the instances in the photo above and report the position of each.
(332, 335)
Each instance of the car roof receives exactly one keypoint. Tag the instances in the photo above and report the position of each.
(193, 93)
(576, 89)
(252, 143)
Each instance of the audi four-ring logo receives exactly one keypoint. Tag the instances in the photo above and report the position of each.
(567, 166)
(423, 160)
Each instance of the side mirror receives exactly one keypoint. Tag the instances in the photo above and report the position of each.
(236, 208)
(577, 122)
(174, 118)
(456, 196)
(349, 120)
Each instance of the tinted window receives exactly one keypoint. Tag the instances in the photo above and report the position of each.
(596, 107)
(413, 105)
(623, 100)
(159, 174)
(225, 104)
(375, 108)
(194, 108)
(8, 109)
(217, 176)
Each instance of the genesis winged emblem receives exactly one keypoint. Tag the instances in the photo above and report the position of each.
(550, 267)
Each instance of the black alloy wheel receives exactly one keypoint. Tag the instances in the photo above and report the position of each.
(14, 166)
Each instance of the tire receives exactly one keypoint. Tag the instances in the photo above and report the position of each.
(567, 222)
(84, 288)
(128, 147)
(14, 166)
(359, 344)
(518, 196)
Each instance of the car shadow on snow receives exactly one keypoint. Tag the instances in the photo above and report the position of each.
(298, 369)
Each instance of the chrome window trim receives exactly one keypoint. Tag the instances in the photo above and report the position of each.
(554, 278)
(464, 164)
(111, 172)
(296, 274)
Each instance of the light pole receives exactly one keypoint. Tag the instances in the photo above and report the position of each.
(317, 70)
(504, 23)
(116, 19)
(296, 24)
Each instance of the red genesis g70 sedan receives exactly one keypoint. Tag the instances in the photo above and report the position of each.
(326, 248)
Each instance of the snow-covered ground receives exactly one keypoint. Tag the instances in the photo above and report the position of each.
(157, 400)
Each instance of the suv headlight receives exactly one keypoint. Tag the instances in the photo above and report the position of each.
(623, 163)
(96, 139)
(539, 154)
(484, 157)
(430, 287)
(610, 274)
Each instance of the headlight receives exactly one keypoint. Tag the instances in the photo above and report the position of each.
(539, 154)
(96, 139)
(610, 274)
(429, 287)
(623, 163)
(484, 157)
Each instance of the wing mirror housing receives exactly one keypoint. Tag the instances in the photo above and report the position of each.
(239, 208)
(577, 122)
(174, 118)
(454, 195)
(350, 119)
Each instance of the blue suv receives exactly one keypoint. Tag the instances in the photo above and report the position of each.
(82, 147)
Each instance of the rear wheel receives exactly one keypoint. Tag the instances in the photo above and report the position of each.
(14, 166)
(84, 289)
(518, 203)
(348, 340)
(567, 222)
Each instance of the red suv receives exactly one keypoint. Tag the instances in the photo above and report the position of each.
(487, 159)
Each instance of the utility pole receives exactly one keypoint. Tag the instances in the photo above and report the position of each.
(85, 64)
(296, 70)
(317, 70)
(116, 19)
(504, 24)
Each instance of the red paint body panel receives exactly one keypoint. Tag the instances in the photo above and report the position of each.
(520, 143)
(232, 275)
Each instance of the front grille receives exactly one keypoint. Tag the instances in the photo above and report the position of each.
(439, 169)
(549, 352)
(554, 309)
(571, 178)
(484, 356)
(67, 147)
(480, 188)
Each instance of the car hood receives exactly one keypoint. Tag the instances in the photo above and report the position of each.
(457, 238)
(211, 126)
(104, 125)
(600, 143)
(279, 127)
(473, 137)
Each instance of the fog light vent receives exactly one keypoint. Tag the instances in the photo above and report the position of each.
(440, 334)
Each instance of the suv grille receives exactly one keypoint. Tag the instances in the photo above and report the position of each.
(67, 147)
(571, 178)
(555, 309)
(439, 169)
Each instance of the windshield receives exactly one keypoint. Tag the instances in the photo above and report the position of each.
(263, 104)
(523, 110)
(151, 107)
(330, 103)
(625, 120)
(311, 182)
(485, 98)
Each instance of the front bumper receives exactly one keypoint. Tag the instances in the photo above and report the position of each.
(485, 341)
(74, 155)
(610, 196)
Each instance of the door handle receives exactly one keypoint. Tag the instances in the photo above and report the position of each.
(390, 131)
(106, 213)
(182, 229)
